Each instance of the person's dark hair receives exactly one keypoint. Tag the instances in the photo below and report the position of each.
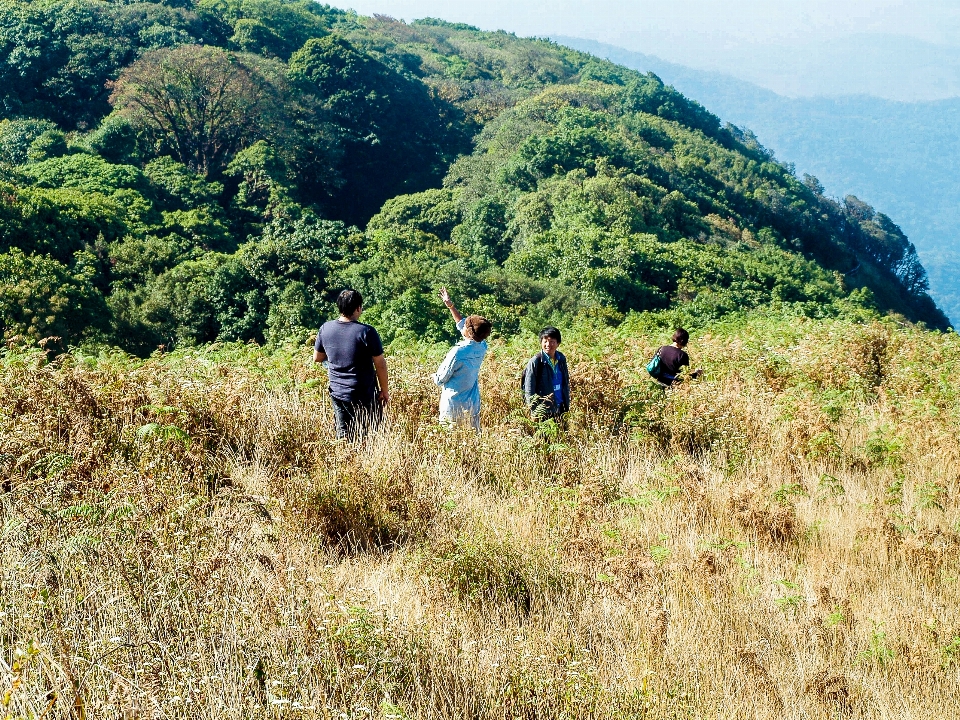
(477, 328)
(348, 301)
(550, 332)
(681, 336)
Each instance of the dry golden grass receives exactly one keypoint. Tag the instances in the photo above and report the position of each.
(182, 537)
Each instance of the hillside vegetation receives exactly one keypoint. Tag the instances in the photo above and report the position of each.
(183, 172)
(898, 154)
(184, 185)
(181, 537)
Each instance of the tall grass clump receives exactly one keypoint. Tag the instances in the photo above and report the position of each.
(183, 536)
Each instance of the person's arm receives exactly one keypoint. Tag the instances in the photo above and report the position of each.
(318, 352)
(538, 404)
(691, 373)
(447, 368)
(380, 365)
(529, 384)
(445, 296)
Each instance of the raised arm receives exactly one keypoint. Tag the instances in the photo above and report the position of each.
(445, 296)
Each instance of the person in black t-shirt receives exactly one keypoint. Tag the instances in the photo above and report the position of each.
(356, 367)
(673, 358)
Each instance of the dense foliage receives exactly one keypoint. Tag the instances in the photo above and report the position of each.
(899, 154)
(187, 171)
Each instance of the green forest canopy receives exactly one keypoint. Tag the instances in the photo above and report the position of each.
(188, 171)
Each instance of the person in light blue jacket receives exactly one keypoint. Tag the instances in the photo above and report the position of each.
(459, 373)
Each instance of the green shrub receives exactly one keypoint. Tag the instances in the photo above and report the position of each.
(42, 298)
(479, 567)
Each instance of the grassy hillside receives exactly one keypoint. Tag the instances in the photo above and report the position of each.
(183, 538)
(213, 170)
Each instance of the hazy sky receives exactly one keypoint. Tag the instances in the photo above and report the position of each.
(797, 47)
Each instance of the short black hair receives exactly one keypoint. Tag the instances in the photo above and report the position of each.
(681, 336)
(550, 332)
(348, 301)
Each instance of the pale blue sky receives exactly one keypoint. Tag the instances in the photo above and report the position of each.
(896, 49)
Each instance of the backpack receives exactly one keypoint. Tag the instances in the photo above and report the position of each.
(653, 367)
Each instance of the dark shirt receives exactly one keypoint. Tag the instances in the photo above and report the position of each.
(671, 360)
(350, 349)
(540, 382)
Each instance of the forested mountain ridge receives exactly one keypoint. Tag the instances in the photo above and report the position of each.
(183, 172)
(901, 155)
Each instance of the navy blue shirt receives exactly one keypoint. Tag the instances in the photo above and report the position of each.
(350, 348)
(672, 359)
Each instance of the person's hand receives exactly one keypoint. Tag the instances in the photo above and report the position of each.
(445, 296)
(384, 397)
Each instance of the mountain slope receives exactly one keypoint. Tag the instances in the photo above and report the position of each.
(185, 534)
(900, 155)
(611, 207)
(138, 212)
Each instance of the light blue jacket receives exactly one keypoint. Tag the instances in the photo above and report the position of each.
(459, 375)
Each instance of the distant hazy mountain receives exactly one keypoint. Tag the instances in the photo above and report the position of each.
(895, 67)
(902, 158)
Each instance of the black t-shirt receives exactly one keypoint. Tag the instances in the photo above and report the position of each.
(350, 349)
(672, 359)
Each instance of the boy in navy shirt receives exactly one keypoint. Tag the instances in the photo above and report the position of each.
(673, 358)
(356, 367)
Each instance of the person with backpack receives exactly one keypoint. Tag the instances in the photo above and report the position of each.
(546, 379)
(668, 363)
(459, 374)
(356, 367)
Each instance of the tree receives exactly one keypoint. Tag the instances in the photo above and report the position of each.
(275, 28)
(279, 283)
(393, 134)
(177, 305)
(84, 172)
(177, 187)
(433, 211)
(42, 298)
(115, 140)
(202, 105)
(59, 222)
(264, 181)
(16, 137)
(57, 56)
